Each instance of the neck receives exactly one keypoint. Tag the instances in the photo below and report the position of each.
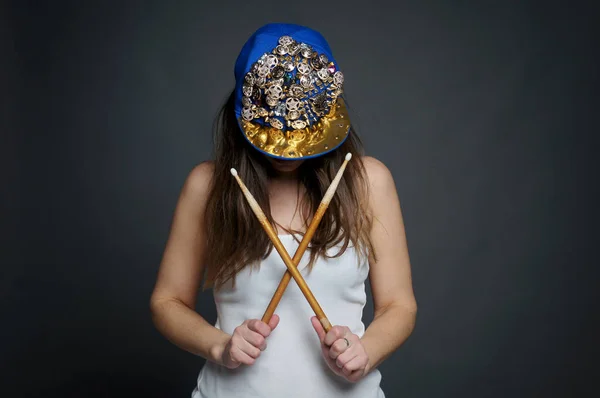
(283, 176)
(283, 180)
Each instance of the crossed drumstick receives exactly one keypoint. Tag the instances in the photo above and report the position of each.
(292, 264)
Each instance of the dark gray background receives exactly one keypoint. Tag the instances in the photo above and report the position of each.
(484, 112)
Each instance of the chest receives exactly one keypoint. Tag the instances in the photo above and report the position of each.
(338, 278)
(287, 209)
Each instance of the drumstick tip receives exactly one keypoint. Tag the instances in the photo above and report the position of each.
(234, 172)
(348, 156)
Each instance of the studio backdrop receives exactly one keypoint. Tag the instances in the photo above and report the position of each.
(479, 109)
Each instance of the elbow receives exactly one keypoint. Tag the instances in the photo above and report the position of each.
(412, 319)
(410, 310)
(155, 308)
(405, 313)
(158, 307)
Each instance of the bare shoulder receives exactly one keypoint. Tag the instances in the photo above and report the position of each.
(378, 175)
(181, 267)
(199, 180)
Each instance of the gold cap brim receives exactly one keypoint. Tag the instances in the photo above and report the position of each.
(316, 140)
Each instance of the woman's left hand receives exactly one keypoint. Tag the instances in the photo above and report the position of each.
(343, 351)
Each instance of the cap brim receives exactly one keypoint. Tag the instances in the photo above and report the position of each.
(323, 137)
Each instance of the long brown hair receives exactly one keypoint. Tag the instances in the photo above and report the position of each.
(235, 237)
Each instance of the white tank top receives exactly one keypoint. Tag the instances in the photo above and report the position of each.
(292, 365)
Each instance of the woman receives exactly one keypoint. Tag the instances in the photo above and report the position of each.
(286, 130)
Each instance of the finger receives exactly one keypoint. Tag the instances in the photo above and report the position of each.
(336, 333)
(250, 349)
(255, 339)
(259, 327)
(343, 359)
(356, 375)
(318, 328)
(240, 356)
(357, 363)
(337, 348)
(274, 322)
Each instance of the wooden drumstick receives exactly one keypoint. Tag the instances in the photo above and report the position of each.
(283, 253)
(285, 280)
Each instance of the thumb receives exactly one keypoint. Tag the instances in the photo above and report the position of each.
(318, 328)
(274, 321)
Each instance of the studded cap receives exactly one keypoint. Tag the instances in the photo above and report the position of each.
(288, 93)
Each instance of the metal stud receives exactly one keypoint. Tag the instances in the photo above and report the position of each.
(276, 123)
(286, 40)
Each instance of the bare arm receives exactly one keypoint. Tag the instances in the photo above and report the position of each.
(347, 354)
(390, 276)
(174, 297)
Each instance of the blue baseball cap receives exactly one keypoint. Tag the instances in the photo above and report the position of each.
(288, 93)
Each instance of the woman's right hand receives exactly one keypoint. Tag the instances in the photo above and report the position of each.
(247, 342)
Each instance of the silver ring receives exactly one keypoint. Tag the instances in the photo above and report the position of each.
(347, 342)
